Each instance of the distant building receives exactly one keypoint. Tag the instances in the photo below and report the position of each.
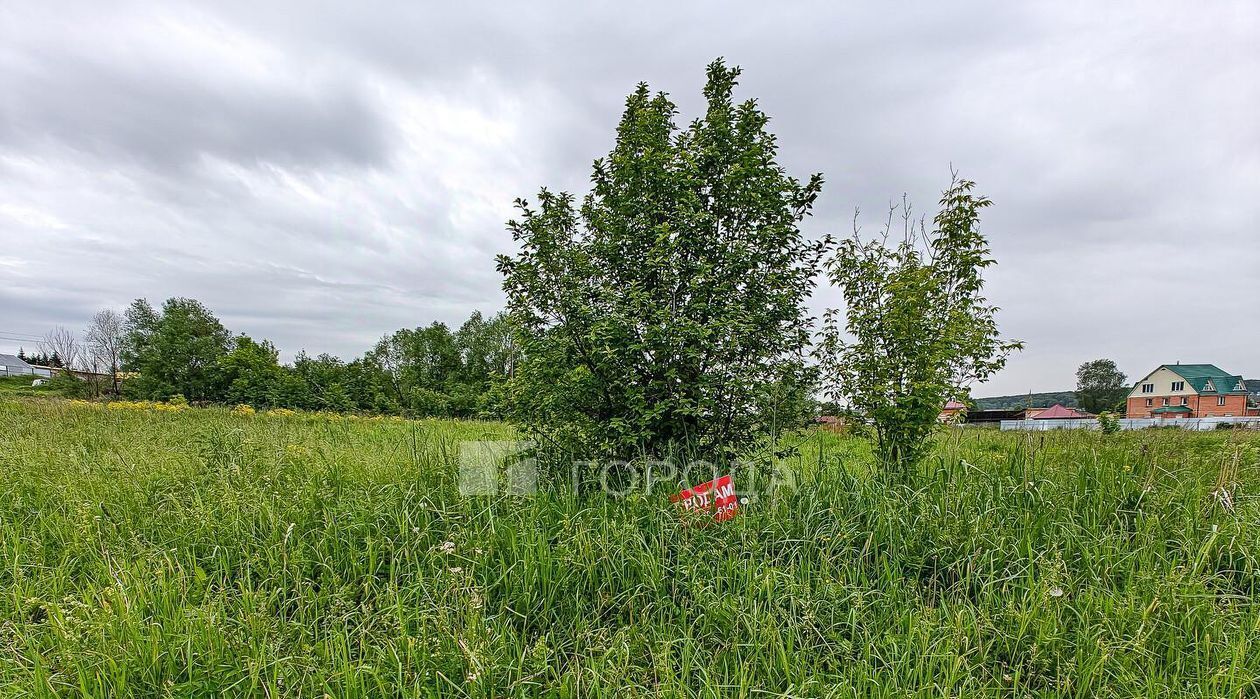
(830, 423)
(12, 366)
(953, 411)
(1190, 390)
(1059, 412)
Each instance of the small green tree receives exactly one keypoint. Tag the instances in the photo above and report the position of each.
(1108, 422)
(1100, 385)
(659, 313)
(917, 328)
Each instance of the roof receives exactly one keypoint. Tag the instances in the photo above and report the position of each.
(1198, 375)
(1058, 412)
(10, 360)
(1172, 409)
(954, 405)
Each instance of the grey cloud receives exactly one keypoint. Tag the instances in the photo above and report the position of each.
(131, 101)
(321, 176)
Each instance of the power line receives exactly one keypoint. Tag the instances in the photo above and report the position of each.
(13, 334)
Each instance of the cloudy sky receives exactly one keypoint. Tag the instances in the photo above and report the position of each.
(320, 177)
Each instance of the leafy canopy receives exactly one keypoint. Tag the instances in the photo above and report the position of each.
(667, 307)
(184, 349)
(176, 350)
(1100, 385)
(917, 329)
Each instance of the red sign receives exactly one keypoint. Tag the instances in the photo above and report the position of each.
(717, 495)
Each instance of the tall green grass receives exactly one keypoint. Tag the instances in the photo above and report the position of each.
(202, 553)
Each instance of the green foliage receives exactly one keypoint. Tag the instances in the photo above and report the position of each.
(20, 385)
(423, 372)
(320, 384)
(202, 554)
(252, 373)
(1108, 422)
(1100, 385)
(917, 328)
(662, 310)
(433, 372)
(36, 358)
(176, 350)
(67, 385)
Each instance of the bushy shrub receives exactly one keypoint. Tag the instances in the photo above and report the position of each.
(1109, 423)
(67, 385)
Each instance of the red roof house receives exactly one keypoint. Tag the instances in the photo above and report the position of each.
(1058, 412)
(952, 411)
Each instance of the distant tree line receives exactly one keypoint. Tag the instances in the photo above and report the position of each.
(40, 359)
(182, 349)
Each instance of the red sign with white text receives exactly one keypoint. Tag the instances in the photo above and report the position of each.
(717, 495)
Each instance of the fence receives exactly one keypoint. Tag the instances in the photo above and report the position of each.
(1184, 423)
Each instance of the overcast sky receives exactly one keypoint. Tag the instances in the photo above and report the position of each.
(320, 177)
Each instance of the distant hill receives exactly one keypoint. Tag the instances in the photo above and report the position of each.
(1028, 400)
(1253, 385)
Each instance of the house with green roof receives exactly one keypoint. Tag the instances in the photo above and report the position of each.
(1190, 390)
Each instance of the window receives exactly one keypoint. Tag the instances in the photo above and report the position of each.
(1220, 400)
(1185, 401)
(1148, 388)
(1150, 402)
(1240, 387)
(1179, 386)
(1165, 401)
(1209, 386)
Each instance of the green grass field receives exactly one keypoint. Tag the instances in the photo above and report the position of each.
(156, 553)
(12, 386)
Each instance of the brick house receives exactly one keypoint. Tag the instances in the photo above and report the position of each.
(1189, 390)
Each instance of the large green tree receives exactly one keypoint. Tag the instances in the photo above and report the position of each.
(659, 312)
(176, 350)
(320, 383)
(1100, 385)
(251, 373)
(917, 329)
